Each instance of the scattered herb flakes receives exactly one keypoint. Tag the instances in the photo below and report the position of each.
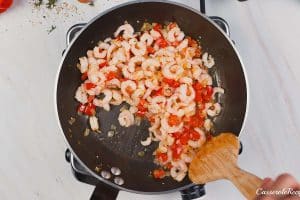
(86, 132)
(91, 3)
(71, 120)
(141, 153)
(51, 4)
(38, 3)
(51, 29)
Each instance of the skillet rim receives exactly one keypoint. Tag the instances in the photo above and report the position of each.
(120, 188)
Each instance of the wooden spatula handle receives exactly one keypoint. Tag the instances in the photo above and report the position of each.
(245, 182)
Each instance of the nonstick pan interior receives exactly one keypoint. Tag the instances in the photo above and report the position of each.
(97, 151)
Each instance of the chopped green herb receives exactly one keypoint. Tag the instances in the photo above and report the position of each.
(91, 3)
(51, 4)
(146, 27)
(141, 153)
(51, 29)
(38, 3)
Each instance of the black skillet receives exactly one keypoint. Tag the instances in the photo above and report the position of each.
(98, 152)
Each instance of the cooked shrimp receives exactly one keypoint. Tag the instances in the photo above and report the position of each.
(126, 118)
(167, 127)
(96, 77)
(149, 66)
(155, 34)
(127, 30)
(128, 87)
(147, 38)
(213, 110)
(101, 50)
(205, 79)
(113, 83)
(138, 49)
(83, 64)
(163, 77)
(175, 35)
(110, 50)
(196, 71)
(105, 101)
(118, 56)
(116, 98)
(137, 60)
(157, 104)
(173, 106)
(208, 60)
(217, 90)
(186, 93)
(81, 95)
(182, 45)
(172, 70)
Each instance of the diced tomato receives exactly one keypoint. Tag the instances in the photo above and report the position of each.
(161, 42)
(90, 109)
(129, 90)
(176, 135)
(176, 149)
(196, 121)
(198, 96)
(123, 79)
(159, 173)
(5, 4)
(208, 137)
(174, 120)
(203, 94)
(89, 86)
(111, 75)
(194, 135)
(191, 42)
(91, 98)
(157, 27)
(169, 166)
(198, 53)
(175, 44)
(162, 157)
(184, 138)
(84, 1)
(207, 93)
(119, 38)
(84, 76)
(171, 82)
(158, 92)
(101, 65)
(151, 119)
(197, 86)
(142, 109)
(150, 50)
(81, 108)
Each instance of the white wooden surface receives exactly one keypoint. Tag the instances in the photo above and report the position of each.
(267, 35)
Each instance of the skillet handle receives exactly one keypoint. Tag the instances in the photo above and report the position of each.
(73, 31)
(103, 191)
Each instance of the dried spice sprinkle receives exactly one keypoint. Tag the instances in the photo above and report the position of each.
(52, 28)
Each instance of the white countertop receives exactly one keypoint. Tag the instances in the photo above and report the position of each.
(31, 145)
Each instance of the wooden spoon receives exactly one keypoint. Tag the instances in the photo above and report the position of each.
(217, 159)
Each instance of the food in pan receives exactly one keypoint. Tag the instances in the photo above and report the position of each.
(162, 74)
